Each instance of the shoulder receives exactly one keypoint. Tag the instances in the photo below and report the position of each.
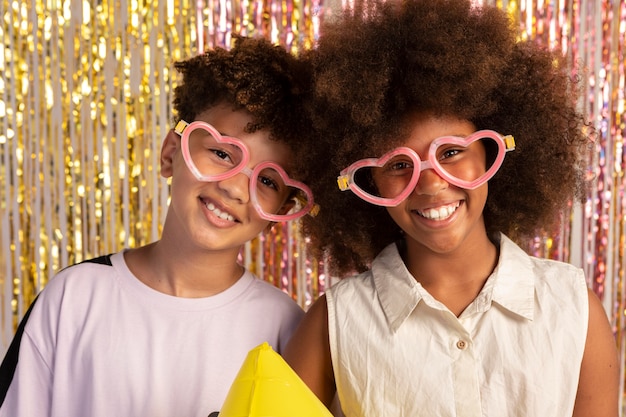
(554, 289)
(555, 276)
(75, 284)
(67, 297)
(85, 273)
(98, 263)
(263, 293)
(102, 263)
(388, 266)
(88, 268)
(104, 260)
(361, 285)
(516, 261)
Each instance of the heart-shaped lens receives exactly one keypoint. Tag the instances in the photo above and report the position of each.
(387, 180)
(277, 197)
(211, 156)
(467, 162)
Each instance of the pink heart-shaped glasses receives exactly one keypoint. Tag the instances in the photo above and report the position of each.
(214, 157)
(405, 166)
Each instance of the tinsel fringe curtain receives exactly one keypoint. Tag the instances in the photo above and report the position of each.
(85, 94)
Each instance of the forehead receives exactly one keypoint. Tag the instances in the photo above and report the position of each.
(233, 123)
(422, 129)
(416, 130)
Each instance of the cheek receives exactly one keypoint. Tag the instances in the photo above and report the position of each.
(399, 214)
(182, 178)
(478, 197)
(386, 186)
(283, 205)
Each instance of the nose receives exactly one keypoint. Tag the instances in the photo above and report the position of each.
(430, 183)
(236, 187)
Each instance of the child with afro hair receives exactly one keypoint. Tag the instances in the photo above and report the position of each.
(450, 139)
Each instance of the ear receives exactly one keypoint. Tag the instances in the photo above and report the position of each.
(171, 143)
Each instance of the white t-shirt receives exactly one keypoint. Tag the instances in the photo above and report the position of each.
(515, 351)
(99, 343)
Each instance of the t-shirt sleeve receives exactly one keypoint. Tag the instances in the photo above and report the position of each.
(25, 376)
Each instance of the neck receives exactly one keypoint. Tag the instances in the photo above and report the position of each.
(454, 278)
(181, 273)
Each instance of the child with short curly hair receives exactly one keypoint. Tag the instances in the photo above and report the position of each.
(450, 139)
(162, 330)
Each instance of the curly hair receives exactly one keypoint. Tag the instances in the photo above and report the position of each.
(379, 62)
(258, 77)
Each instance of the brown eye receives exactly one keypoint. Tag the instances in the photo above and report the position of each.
(269, 183)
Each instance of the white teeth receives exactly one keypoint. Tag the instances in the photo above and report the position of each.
(219, 213)
(439, 213)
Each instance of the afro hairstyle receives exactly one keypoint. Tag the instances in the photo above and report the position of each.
(378, 62)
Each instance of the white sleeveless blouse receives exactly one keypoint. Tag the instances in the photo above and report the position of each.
(515, 351)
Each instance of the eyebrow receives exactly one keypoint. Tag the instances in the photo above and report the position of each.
(460, 135)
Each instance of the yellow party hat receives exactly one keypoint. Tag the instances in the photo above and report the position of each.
(266, 386)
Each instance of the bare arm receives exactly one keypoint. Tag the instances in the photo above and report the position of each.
(308, 352)
(598, 387)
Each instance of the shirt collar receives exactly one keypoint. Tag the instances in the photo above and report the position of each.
(396, 287)
(514, 287)
(511, 283)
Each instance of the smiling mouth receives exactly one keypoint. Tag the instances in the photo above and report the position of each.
(219, 213)
(439, 213)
